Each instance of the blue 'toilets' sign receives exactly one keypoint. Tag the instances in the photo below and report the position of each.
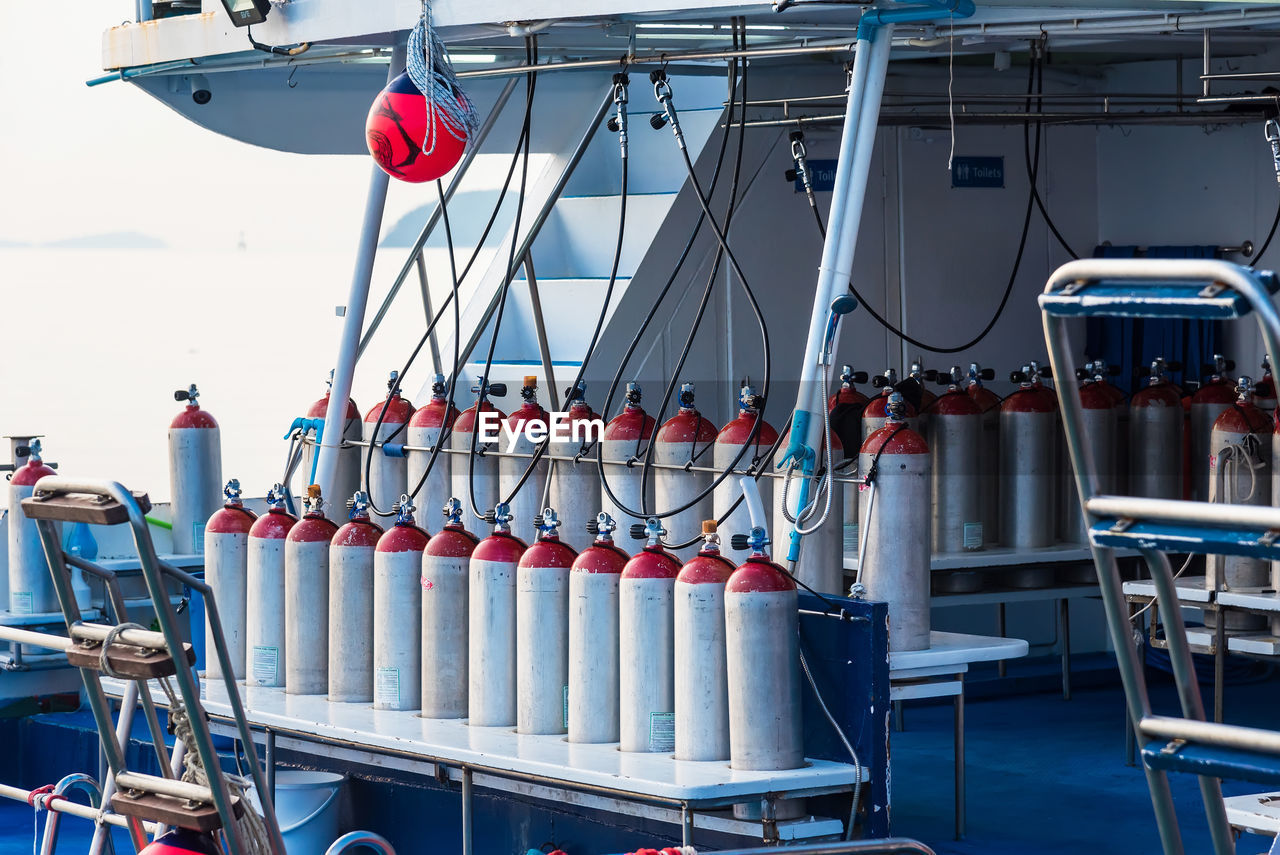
(977, 172)
(823, 176)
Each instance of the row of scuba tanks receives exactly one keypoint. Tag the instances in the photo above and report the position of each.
(601, 645)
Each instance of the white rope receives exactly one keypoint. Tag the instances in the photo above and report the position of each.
(432, 72)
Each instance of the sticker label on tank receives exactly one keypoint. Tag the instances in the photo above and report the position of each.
(565, 723)
(662, 731)
(22, 602)
(197, 537)
(973, 535)
(386, 687)
(266, 665)
(851, 538)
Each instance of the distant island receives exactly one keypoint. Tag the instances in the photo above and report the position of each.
(110, 240)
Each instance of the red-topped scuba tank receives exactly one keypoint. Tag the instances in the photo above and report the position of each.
(386, 423)
(875, 414)
(646, 618)
(989, 453)
(1240, 473)
(477, 469)
(761, 618)
(742, 431)
(425, 429)
(893, 559)
(181, 841)
(848, 393)
(351, 557)
(594, 636)
(682, 441)
(575, 483)
(30, 583)
(625, 438)
(1098, 420)
(542, 630)
(195, 472)
(491, 659)
(956, 448)
(1029, 471)
(1215, 395)
(923, 378)
(445, 569)
(397, 603)
(346, 476)
(845, 408)
(821, 563)
(701, 684)
(525, 502)
(306, 599)
(1155, 437)
(265, 615)
(226, 571)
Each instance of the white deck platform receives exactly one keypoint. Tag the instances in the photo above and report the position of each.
(954, 652)
(500, 750)
(1191, 589)
(1005, 556)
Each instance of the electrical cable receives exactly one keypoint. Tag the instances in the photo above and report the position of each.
(1271, 234)
(1013, 274)
(1036, 66)
(531, 52)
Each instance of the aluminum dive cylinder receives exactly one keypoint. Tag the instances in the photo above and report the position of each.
(526, 502)
(542, 631)
(621, 449)
(351, 560)
(763, 661)
(894, 508)
(483, 465)
(955, 450)
(575, 484)
(875, 414)
(683, 440)
(387, 474)
(1214, 396)
(226, 571)
(265, 613)
(444, 582)
(821, 564)
(30, 583)
(1239, 473)
(346, 478)
(729, 442)
(425, 427)
(306, 599)
(195, 472)
(923, 378)
(1098, 420)
(1264, 393)
(594, 636)
(491, 606)
(1155, 437)
(397, 606)
(989, 452)
(701, 684)
(848, 393)
(646, 620)
(1029, 472)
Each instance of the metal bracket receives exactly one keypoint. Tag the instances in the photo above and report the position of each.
(1212, 290)
(1173, 747)
(1122, 525)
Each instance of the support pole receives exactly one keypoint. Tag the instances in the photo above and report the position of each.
(353, 321)
(426, 308)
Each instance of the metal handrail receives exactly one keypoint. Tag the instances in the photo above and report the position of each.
(355, 839)
(1213, 514)
(847, 847)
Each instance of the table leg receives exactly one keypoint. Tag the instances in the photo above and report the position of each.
(1064, 621)
(686, 825)
(959, 759)
(1219, 665)
(1000, 666)
(1130, 738)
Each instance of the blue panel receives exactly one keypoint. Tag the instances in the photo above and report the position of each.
(1214, 762)
(1202, 540)
(848, 652)
(822, 173)
(977, 172)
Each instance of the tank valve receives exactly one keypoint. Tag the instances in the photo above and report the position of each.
(452, 512)
(232, 492)
(404, 509)
(547, 522)
(602, 527)
(189, 395)
(275, 497)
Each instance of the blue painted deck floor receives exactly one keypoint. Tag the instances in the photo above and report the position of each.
(1045, 776)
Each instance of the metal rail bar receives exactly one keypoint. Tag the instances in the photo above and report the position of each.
(73, 809)
(1174, 510)
(415, 251)
(535, 227)
(540, 329)
(1211, 733)
(425, 288)
(357, 839)
(1170, 117)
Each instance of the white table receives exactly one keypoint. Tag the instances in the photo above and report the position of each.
(1258, 813)
(938, 672)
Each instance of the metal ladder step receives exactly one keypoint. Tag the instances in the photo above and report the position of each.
(87, 508)
(169, 801)
(1171, 525)
(1169, 289)
(134, 654)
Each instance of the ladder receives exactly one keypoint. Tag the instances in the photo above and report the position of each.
(1160, 288)
(128, 652)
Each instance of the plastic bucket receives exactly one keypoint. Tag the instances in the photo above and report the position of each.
(307, 809)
